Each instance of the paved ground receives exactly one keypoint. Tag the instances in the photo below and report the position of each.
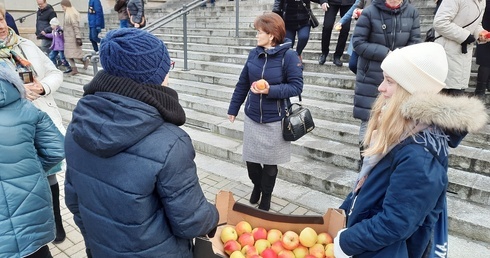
(216, 175)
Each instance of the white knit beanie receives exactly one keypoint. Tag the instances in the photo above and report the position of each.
(54, 21)
(418, 68)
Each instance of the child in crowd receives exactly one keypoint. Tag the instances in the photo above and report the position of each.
(58, 45)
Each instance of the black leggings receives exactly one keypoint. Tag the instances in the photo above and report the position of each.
(41, 253)
(484, 75)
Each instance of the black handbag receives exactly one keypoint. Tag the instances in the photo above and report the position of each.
(313, 20)
(297, 122)
(430, 36)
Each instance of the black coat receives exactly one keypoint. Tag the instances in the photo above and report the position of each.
(43, 16)
(373, 45)
(483, 50)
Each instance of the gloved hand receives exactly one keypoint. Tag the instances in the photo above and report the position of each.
(464, 46)
(98, 29)
(79, 42)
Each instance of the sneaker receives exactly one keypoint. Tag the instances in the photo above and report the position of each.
(322, 59)
(68, 70)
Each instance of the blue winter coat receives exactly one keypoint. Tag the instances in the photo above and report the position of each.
(95, 20)
(131, 180)
(372, 46)
(281, 68)
(30, 143)
(394, 212)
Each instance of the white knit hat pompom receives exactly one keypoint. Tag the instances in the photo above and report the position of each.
(418, 68)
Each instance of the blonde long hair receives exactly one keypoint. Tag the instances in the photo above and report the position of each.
(389, 123)
(72, 16)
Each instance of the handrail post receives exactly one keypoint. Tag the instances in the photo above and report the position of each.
(184, 20)
(237, 16)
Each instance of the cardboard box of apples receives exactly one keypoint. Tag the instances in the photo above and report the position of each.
(247, 232)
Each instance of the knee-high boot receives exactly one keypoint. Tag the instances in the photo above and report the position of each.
(60, 231)
(269, 174)
(254, 173)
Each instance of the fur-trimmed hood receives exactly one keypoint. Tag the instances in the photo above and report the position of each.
(462, 114)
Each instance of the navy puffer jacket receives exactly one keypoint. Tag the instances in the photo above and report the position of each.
(372, 44)
(281, 68)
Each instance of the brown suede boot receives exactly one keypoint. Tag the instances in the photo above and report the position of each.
(74, 70)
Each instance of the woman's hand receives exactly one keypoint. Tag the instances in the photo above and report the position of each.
(325, 7)
(231, 118)
(257, 90)
(34, 90)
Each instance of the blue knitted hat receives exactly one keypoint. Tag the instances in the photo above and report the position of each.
(134, 54)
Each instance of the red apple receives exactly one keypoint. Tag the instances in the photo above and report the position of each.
(268, 253)
(243, 227)
(249, 250)
(232, 246)
(274, 235)
(324, 238)
(246, 239)
(286, 254)
(228, 233)
(259, 233)
(309, 256)
(290, 240)
(261, 245)
(317, 250)
(277, 247)
(308, 237)
(300, 251)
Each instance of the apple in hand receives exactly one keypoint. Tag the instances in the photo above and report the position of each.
(228, 233)
(232, 246)
(243, 227)
(317, 250)
(246, 239)
(300, 251)
(259, 233)
(260, 84)
(290, 240)
(261, 245)
(308, 237)
(324, 238)
(274, 235)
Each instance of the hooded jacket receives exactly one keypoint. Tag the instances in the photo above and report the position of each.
(394, 212)
(29, 144)
(131, 180)
(373, 44)
(449, 21)
(281, 68)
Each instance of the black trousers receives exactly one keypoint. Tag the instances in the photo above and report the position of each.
(328, 23)
(41, 253)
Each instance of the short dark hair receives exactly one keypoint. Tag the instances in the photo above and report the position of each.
(272, 23)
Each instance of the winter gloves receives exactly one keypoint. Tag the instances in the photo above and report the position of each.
(464, 46)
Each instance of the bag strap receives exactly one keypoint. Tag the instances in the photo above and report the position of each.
(307, 9)
(479, 13)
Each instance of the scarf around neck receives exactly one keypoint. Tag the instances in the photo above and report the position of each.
(9, 52)
(164, 99)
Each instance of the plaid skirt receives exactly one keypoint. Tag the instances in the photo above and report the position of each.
(263, 143)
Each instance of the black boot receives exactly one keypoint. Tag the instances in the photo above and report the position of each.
(480, 90)
(269, 174)
(60, 231)
(254, 173)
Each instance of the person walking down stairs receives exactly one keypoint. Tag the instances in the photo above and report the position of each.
(263, 144)
(136, 13)
(95, 22)
(73, 37)
(58, 44)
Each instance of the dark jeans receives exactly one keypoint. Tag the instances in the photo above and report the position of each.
(41, 253)
(123, 23)
(328, 22)
(94, 38)
(54, 53)
(303, 36)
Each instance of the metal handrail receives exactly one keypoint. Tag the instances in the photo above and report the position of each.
(23, 18)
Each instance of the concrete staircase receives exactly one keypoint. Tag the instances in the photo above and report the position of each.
(326, 159)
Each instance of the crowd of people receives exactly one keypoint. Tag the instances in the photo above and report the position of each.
(130, 167)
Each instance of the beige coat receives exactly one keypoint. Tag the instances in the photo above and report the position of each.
(449, 21)
(71, 33)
